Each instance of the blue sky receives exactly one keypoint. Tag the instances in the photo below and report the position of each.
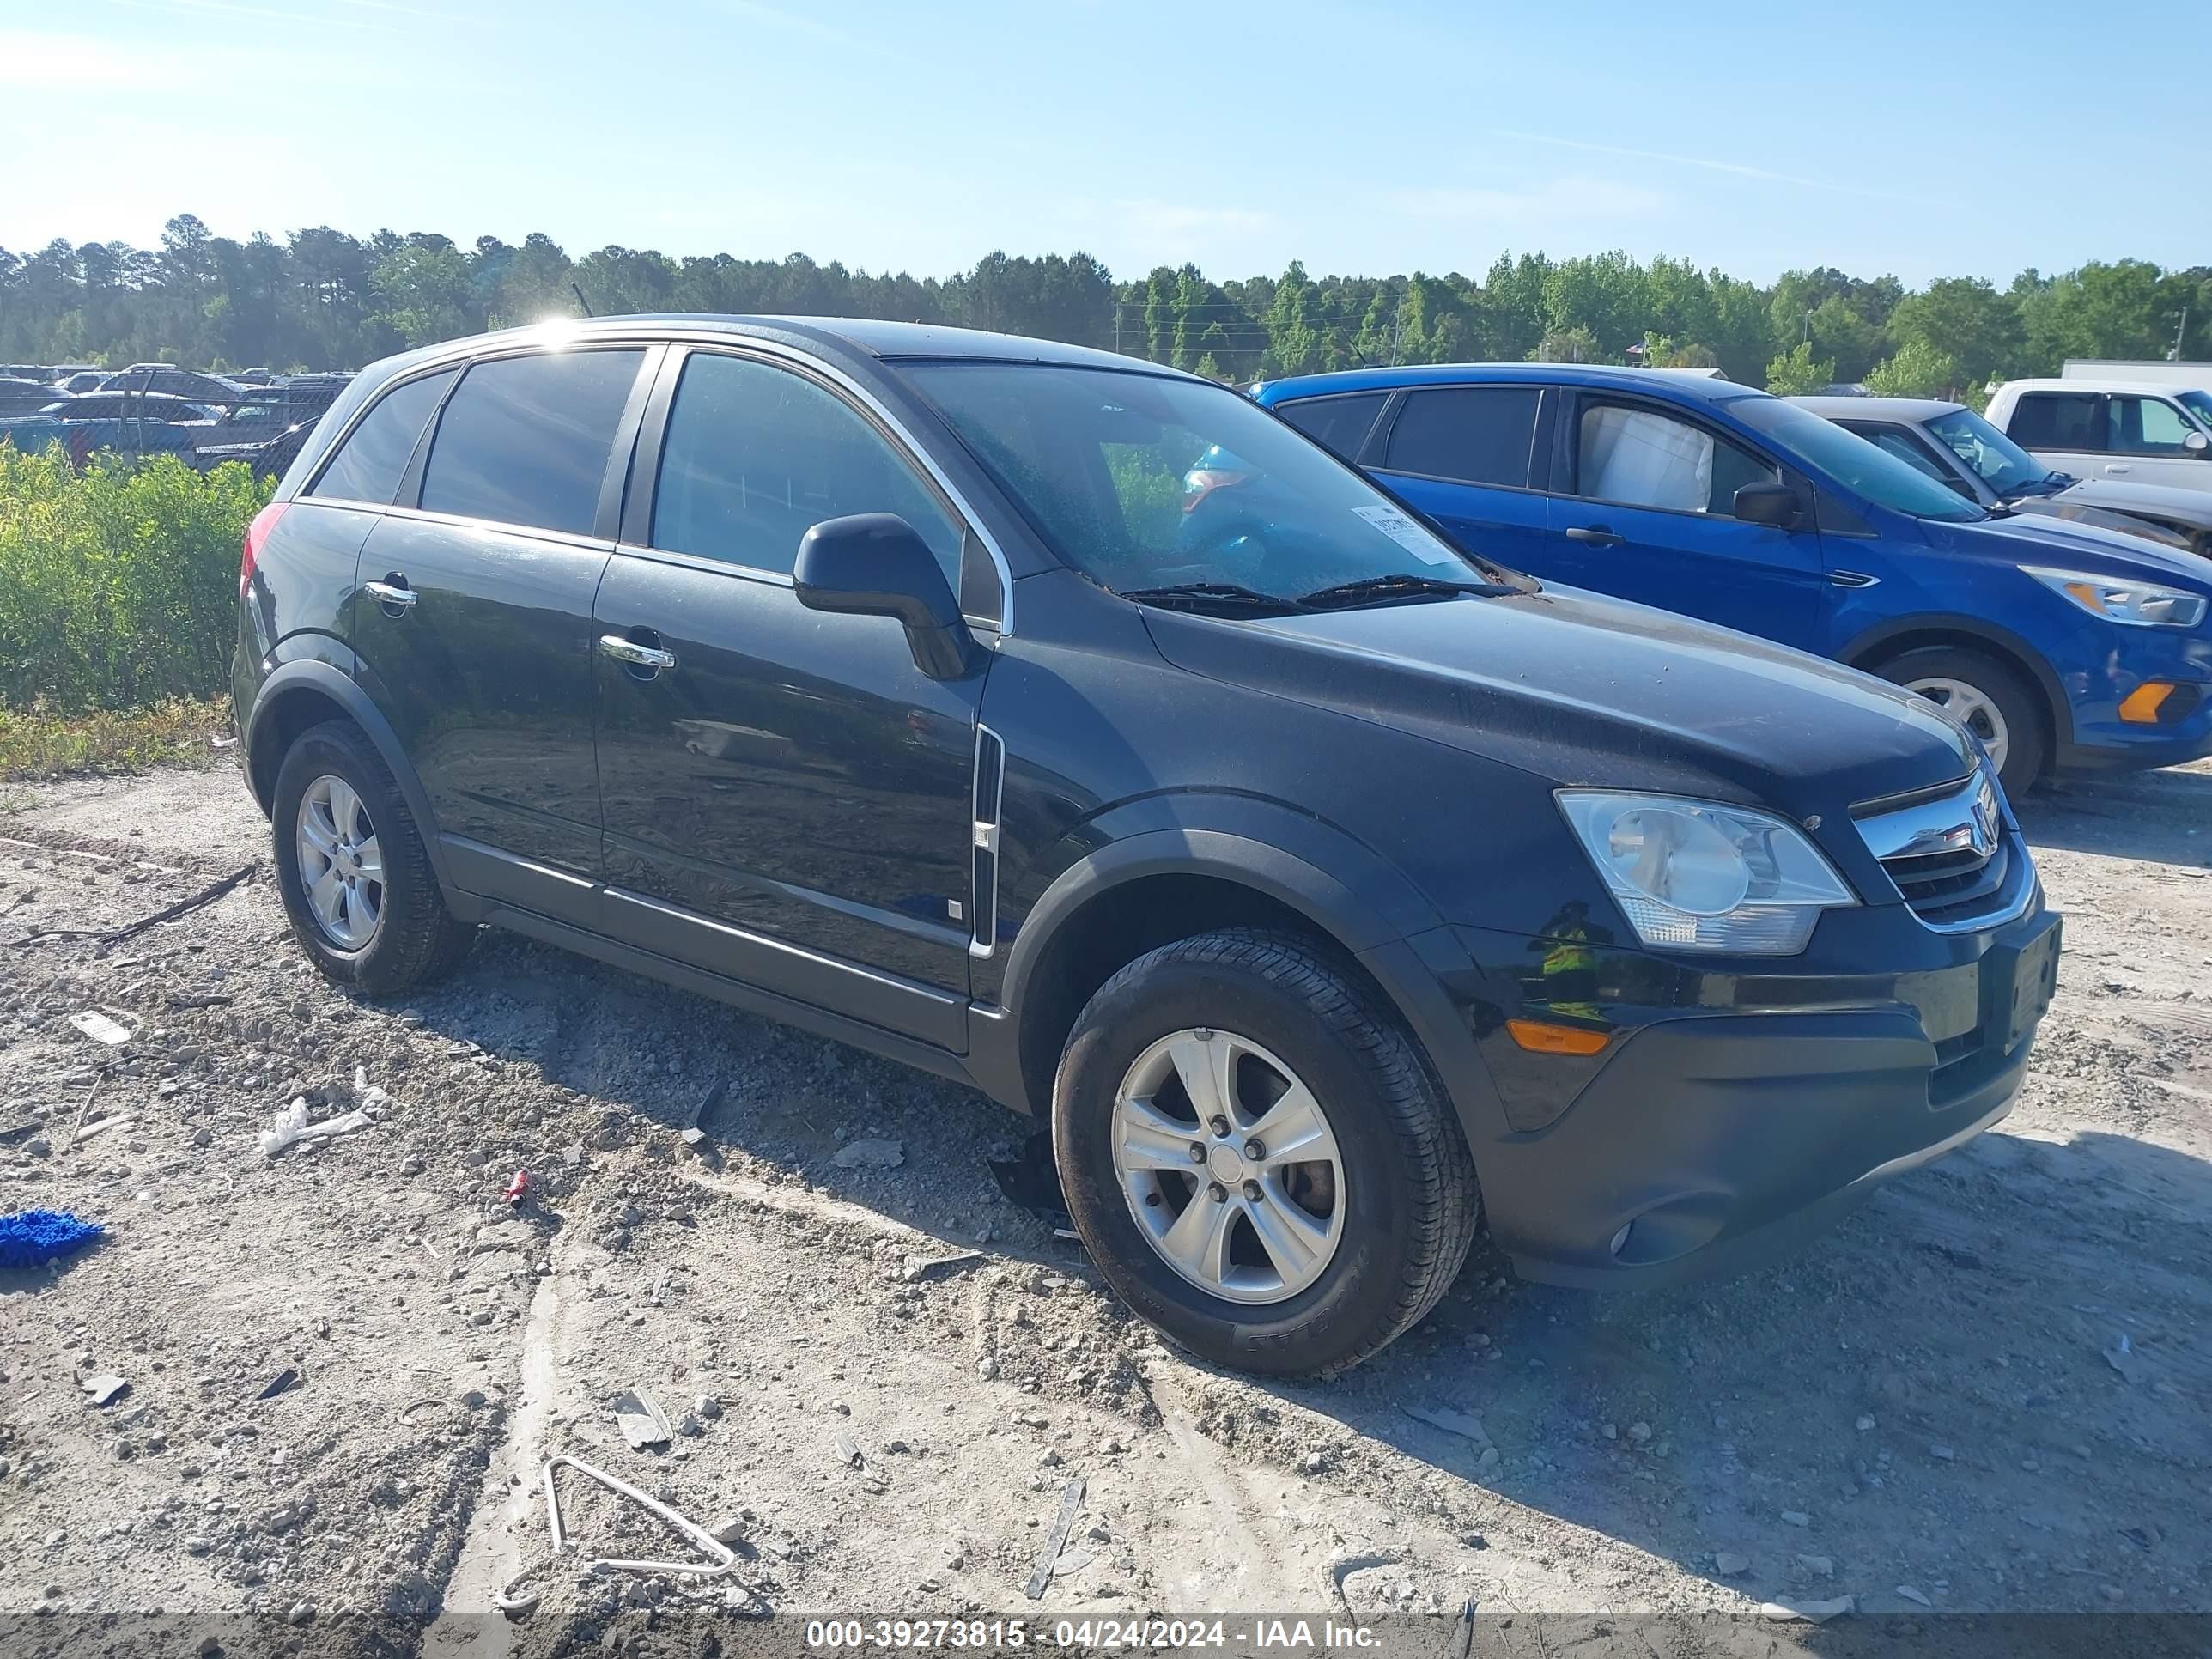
(1911, 139)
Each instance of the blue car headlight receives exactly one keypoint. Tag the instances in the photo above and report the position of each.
(2137, 605)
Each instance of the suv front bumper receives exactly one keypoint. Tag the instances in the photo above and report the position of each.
(1749, 1112)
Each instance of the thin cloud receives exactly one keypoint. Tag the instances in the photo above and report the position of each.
(1574, 196)
(201, 8)
(1737, 169)
(776, 18)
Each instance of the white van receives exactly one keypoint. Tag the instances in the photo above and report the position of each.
(2148, 433)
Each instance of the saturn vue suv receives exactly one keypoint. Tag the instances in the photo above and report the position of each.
(1076, 729)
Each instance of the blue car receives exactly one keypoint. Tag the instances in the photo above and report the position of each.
(2061, 646)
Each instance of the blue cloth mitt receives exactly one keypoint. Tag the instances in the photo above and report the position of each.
(31, 1238)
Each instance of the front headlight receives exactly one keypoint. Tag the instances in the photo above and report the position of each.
(2138, 604)
(1694, 875)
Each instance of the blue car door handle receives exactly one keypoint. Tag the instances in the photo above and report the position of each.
(1596, 535)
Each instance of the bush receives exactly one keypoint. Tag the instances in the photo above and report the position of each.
(118, 585)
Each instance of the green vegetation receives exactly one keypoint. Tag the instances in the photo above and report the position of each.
(119, 585)
(177, 731)
(322, 299)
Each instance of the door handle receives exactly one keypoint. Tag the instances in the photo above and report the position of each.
(392, 593)
(630, 652)
(1596, 535)
(2117, 468)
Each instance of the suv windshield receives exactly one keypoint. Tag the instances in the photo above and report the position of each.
(1866, 469)
(1146, 483)
(2003, 464)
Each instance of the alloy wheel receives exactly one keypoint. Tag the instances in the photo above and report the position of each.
(1973, 708)
(1228, 1165)
(341, 866)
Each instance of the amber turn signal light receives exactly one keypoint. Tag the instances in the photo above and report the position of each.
(2141, 706)
(1541, 1037)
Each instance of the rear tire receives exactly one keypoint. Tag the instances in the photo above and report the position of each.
(1391, 1200)
(380, 936)
(1993, 699)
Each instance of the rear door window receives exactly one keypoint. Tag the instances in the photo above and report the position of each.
(755, 456)
(525, 440)
(370, 462)
(1640, 457)
(1338, 424)
(2059, 420)
(1469, 435)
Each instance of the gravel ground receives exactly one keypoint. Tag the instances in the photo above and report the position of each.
(1985, 1392)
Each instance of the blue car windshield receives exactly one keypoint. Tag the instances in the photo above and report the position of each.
(1819, 446)
(1144, 483)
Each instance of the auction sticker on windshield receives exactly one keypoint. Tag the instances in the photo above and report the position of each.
(1407, 534)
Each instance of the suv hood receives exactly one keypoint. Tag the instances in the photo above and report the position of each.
(2039, 539)
(1581, 689)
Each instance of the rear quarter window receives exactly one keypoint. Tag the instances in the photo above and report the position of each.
(1338, 424)
(369, 465)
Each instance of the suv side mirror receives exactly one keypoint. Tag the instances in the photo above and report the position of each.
(875, 564)
(2196, 443)
(1775, 504)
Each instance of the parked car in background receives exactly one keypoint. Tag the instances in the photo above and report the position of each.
(2059, 645)
(31, 433)
(139, 423)
(864, 675)
(173, 382)
(2144, 433)
(1957, 448)
(23, 396)
(82, 380)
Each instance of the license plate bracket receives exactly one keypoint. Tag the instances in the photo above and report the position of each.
(2017, 983)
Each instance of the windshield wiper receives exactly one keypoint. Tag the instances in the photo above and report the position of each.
(1192, 596)
(1404, 585)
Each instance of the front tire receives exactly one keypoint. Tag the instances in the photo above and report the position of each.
(1299, 1258)
(354, 875)
(1989, 699)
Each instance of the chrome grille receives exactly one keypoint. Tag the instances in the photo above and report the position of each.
(1952, 853)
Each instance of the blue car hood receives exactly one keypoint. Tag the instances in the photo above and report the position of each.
(2064, 544)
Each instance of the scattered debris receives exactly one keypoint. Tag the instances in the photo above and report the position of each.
(1811, 1613)
(643, 1422)
(849, 1449)
(918, 1268)
(517, 1189)
(869, 1154)
(105, 1389)
(1795, 1518)
(85, 1132)
(109, 936)
(1070, 1505)
(721, 1557)
(100, 1029)
(2125, 1359)
(31, 1238)
(691, 1134)
(1466, 1424)
(1942, 1453)
(282, 1383)
(1730, 1564)
(292, 1127)
(1912, 1594)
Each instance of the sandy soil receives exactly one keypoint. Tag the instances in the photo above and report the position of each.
(1985, 1392)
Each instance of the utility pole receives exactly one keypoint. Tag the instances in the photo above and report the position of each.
(1117, 326)
(2179, 335)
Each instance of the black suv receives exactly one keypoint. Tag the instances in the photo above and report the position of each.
(1073, 728)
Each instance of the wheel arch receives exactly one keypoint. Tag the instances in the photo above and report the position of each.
(1133, 895)
(304, 694)
(1895, 638)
